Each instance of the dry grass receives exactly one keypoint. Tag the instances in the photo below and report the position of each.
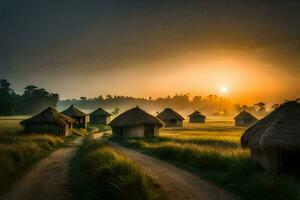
(100, 172)
(18, 151)
(213, 151)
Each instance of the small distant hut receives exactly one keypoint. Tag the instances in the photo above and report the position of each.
(78, 115)
(245, 119)
(100, 116)
(197, 117)
(275, 140)
(170, 118)
(135, 123)
(49, 121)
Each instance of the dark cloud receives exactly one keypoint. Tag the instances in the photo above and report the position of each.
(42, 38)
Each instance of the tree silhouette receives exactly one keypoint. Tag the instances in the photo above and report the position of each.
(6, 102)
(261, 106)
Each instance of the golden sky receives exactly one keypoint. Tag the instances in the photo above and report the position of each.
(154, 48)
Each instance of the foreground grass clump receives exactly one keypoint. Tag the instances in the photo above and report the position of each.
(217, 156)
(100, 172)
(19, 152)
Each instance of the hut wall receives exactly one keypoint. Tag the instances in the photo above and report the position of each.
(173, 123)
(103, 120)
(241, 122)
(244, 122)
(134, 131)
(156, 130)
(46, 128)
(68, 129)
(197, 119)
(82, 122)
(116, 131)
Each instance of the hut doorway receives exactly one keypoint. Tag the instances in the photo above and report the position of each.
(290, 162)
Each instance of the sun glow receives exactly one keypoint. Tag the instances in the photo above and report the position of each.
(223, 89)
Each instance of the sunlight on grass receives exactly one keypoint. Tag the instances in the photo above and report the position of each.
(213, 151)
(18, 150)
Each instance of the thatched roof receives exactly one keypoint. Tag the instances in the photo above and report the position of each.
(196, 114)
(135, 116)
(49, 116)
(169, 113)
(72, 111)
(100, 112)
(280, 129)
(245, 115)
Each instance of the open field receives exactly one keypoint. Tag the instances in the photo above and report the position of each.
(18, 151)
(100, 172)
(213, 151)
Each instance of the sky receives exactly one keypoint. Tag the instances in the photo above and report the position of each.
(153, 48)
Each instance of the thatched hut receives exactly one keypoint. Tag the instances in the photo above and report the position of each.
(100, 116)
(275, 140)
(197, 117)
(49, 121)
(135, 123)
(245, 119)
(170, 118)
(78, 115)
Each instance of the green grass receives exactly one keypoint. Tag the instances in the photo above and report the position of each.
(213, 152)
(100, 172)
(94, 128)
(18, 151)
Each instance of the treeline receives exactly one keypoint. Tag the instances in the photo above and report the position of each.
(210, 105)
(33, 100)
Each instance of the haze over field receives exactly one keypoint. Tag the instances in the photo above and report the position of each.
(247, 51)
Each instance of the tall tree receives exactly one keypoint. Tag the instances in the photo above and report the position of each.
(6, 92)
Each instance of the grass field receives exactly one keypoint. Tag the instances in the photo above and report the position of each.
(18, 151)
(100, 172)
(213, 151)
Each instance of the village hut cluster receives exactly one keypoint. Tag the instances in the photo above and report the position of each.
(273, 140)
(51, 121)
(132, 123)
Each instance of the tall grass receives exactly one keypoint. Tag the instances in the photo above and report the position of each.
(100, 172)
(217, 156)
(18, 151)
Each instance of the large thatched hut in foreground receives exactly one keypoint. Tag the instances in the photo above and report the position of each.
(135, 123)
(78, 115)
(197, 117)
(275, 140)
(245, 119)
(100, 116)
(170, 118)
(49, 121)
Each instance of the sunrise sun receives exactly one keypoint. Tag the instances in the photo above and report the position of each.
(223, 89)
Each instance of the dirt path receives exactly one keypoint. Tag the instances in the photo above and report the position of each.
(177, 183)
(47, 179)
